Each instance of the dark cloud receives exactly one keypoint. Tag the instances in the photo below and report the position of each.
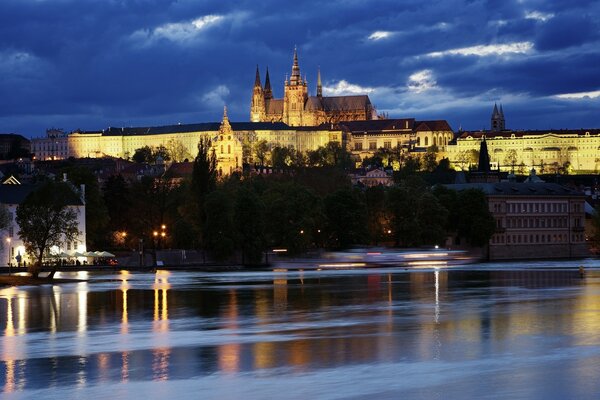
(91, 64)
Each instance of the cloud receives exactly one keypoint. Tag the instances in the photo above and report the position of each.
(217, 96)
(421, 81)
(378, 35)
(578, 96)
(538, 16)
(179, 32)
(344, 88)
(487, 50)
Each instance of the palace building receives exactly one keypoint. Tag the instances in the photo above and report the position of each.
(548, 151)
(233, 142)
(297, 108)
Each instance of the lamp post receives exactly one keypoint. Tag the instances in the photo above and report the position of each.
(8, 251)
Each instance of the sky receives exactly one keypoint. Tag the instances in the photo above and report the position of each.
(91, 64)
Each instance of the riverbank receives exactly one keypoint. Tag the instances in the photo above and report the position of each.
(22, 280)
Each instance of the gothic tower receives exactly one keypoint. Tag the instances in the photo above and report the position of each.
(268, 91)
(498, 123)
(257, 106)
(295, 96)
(319, 85)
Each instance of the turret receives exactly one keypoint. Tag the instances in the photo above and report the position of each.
(257, 106)
(295, 95)
(268, 91)
(497, 119)
(319, 86)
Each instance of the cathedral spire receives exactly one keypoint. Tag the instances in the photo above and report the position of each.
(257, 79)
(295, 79)
(268, 91)
(225, 125)
(319, 86)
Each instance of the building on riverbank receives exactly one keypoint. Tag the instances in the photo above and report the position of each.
(13, 251)
(534, 220)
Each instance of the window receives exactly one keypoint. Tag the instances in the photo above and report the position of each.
(228, 149)
(372, 145)
(357, 146)
(426, 141)
(387, 145)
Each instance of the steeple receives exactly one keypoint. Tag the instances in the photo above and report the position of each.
(225, 125)
(295, 79)
(257, 79)
(268, 91)
(497, 124)
(484, 157)
(319, 86)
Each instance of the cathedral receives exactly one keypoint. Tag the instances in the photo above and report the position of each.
(297, 108)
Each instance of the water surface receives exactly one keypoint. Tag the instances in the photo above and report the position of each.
(495, 331)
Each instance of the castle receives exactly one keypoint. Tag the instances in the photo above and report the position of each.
(297, 108)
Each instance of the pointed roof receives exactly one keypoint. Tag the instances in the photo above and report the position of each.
(484, 157)
(495, 112)
(257, 79)
(295, 78)
(319, 85)
(501, 111)
(267, 81)
(225, 125)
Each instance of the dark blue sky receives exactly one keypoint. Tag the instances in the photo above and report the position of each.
(91, 64)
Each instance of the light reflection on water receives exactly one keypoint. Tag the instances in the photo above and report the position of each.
(181, 326)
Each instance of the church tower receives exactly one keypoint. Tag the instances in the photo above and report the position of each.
(319, 85)
(257, 106)
(295, 96)
(498, 123)
(268, 91)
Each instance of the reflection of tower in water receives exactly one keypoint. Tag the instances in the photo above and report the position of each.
(161, 354)
(229, 353)
(12, 352)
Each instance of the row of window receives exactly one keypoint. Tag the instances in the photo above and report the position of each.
(515, 208)
(561, 222)
(536, 238)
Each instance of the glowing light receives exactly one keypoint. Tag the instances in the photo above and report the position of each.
(343, 265)
(279, 250)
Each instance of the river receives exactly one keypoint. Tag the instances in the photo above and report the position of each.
(489, 331)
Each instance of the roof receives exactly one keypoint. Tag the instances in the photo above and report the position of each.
(378, 125)
(180, 170)
(16, 194)
(345, 103)
(509, 133)
(274, 106)
(436, 125)
(13, 136)
(187, 128)
(517, 189)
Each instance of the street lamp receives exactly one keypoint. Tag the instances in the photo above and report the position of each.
(8, 251)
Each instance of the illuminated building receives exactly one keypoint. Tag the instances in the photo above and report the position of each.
(365, 138)
(11, 195)
(548, 151)
(534, 219)
(297, 108)
(229, 139)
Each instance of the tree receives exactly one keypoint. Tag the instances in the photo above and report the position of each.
(430, 159)
(177, 151)
(219, 228)
(249, 221)
(511, 159)
(143, 155)
(474, 220)
(261, 149)
(96, 212)
(45, 219)
(346, 218)
(595, 236)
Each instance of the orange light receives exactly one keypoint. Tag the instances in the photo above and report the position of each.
(155, 233)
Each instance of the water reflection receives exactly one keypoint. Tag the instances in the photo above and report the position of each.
(166, 326)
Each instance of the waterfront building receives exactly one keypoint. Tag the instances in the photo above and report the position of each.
(13, 193)
(518, 151)
(298, 108)
(534, 219)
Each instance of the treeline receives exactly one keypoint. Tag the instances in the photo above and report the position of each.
(305, 208)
